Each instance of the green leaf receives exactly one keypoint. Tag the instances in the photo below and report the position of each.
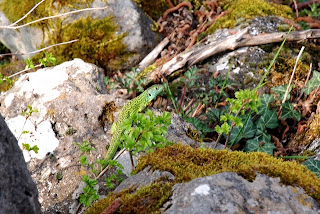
(289, 112)
(29, 63)
(248, 130)
(313, 83)
(269, 119)
(126, 124)
(264, 137)
(223, 129)
(281, 90)
(313, 166)
(265, 100)
(255, 145)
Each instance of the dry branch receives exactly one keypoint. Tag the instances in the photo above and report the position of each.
(206, 49)
(150, 58)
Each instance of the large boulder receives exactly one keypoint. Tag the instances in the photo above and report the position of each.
(18, 193)
(229, 193)
(67, 101)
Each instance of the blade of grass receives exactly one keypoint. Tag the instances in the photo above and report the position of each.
(273, 60)
(224, 84)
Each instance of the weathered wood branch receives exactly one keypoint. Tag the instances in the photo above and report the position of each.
(206, 49)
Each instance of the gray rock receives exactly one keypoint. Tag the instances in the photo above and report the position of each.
(18, 193)
(69, 98)
(143, 178)
(229, 193)
(246, 61)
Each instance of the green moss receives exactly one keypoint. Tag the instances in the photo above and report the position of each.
(148, 199)
(98, 42)
(15, 9)
(240, 10)
(186, 164)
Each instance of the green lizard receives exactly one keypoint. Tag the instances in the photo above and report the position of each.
(133, 106)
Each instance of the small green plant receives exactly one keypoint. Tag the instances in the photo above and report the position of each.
(27, 147)
(245, 100)
(145, 132)
(114, 178)
(28, 112)
(90, 193)
(2, 79)
(109, 83)
(132, 77)
(190, 77)
(44, 62)
(85, 146)
(314, 11)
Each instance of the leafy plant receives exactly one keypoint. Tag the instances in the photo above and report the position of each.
(314, 10)
(114, 177)
(313, 166)
(90, 193)
(132, 77)
(190, 77)
(44, 62)
(47, 60)
(85, 146)
(108, 82)
(28, 112)
(200, 126)
(313, 83)
(281, 90)
(145, 132)
(27, 147)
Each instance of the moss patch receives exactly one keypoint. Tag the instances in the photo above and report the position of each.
(15, 9)
(240, 10)
(187, 164)
(148, 199)
(98, 42)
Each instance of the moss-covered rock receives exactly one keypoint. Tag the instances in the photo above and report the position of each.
(186, 164)
(239, 10)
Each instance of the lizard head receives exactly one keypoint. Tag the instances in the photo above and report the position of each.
(153, 91)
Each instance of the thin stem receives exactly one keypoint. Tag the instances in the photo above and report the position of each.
(294, 69)
(36, 51)
(233, 123)
(182, 97)
(273, 60)
(224, 84)
(23, 17)
(52, 17)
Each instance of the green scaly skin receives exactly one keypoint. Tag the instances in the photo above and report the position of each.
(133, 106)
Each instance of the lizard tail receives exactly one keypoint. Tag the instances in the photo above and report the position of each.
(113, 147)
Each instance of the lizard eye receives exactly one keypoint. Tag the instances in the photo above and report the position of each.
(149, 95)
